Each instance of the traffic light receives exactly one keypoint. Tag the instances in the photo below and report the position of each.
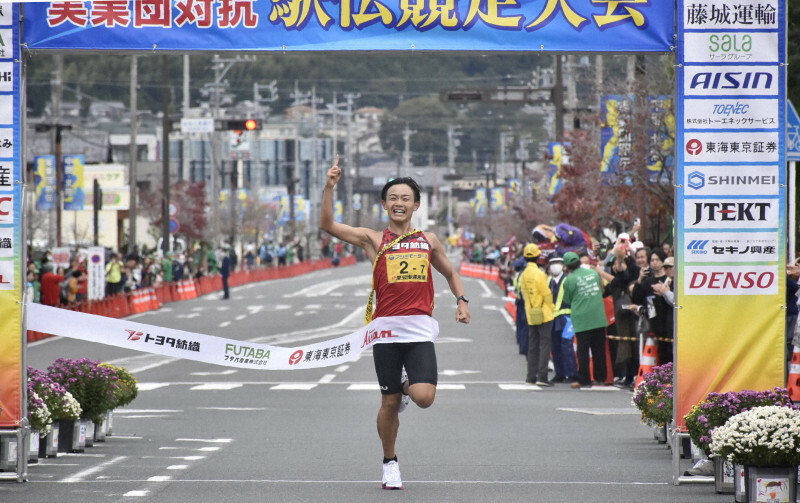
(244, 125)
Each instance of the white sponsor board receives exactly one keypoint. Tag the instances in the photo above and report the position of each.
(724, 14)
(724, 113)
(734, 80)
(731, 214)
(740, 146)
(732, 180)
(197, 125)
(731, 247)
(731, 280)
(737, 47)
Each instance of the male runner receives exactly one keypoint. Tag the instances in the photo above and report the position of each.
(404, 295)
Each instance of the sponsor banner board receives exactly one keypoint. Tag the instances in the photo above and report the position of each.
(730, 114)
(730, 280)
(730, 199)
(732, 146)
(739, 80)
(12, 278)
(732, 180)
(96, 271)
(727, 247)
(731, 214)
(737, 47)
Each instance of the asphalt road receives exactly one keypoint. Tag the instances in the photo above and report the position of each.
(202, 433)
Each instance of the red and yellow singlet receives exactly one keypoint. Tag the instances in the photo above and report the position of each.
(403, 282)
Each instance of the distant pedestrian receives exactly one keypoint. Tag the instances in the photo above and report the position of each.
(225, 272)
(114, 267)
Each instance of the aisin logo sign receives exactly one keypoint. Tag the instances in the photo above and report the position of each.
(696, 180)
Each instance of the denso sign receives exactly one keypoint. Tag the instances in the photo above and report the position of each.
(730, 280)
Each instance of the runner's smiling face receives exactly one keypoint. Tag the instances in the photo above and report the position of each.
(399, 203)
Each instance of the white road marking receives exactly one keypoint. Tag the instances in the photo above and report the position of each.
(450, 387)
(216, 386)
(159, 478)
(342, 368)
(487, 293)
(188, 458)
(177, 467)
(145, 411)
(326, 288)
(295, 386)
(448, 340)
(207, 440)
(502, 310)
(149, 386)
(519, 387)
(240, 317)
(188, 316)
(223, 308)
(237, 409)
(627, 411)
(450, 372)
(208, 449)
(224, 324)
(91, 471)
(144, 416)
(136, 493)
(222, 373)
(327, 378)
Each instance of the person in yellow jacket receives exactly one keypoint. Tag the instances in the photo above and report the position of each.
(539, 309)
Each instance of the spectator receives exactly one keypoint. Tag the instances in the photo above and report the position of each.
(539, 312)
(657, 310)
(51, 289)
(563, 354)
(583, 291)
(225, 272)
(114, 267)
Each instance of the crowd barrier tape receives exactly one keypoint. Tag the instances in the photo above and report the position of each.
(216, 350)
(148, 299)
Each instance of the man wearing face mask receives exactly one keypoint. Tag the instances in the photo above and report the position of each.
(563, 353)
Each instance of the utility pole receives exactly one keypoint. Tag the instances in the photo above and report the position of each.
(558, 100)
(452, 144)
(134, 152)
(351, 172)
(55, 137)
(166, 125)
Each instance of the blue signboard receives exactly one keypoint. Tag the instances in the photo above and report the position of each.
(360, 25)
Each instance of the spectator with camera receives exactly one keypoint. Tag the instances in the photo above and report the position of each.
(648, 291)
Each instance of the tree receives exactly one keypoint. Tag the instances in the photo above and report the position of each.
(192, 215)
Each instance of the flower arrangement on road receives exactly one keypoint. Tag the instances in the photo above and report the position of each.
(717, 408)
(59, 402)
(653, 397)
(127, 388)
(93, 386)
(38, 413)
(761, 436)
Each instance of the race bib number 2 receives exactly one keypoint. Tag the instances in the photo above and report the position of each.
(404, 267)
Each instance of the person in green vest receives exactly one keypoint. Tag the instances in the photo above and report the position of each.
(583, 291)
(166, 268)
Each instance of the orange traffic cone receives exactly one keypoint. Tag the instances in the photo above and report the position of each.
(648, 360)
(793, 382)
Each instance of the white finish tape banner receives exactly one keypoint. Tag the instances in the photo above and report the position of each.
(227, 352)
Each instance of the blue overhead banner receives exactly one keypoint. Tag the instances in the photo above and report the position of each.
(353, 25)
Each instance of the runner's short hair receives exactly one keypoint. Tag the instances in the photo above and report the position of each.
(407, 180)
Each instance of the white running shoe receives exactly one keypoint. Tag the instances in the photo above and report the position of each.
(404, 399)
(391, 476)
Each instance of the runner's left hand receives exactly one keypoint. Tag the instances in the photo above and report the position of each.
(462, 313)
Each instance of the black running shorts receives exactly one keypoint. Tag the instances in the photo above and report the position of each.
(419, 359)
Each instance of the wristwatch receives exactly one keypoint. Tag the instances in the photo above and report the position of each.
(461, 297)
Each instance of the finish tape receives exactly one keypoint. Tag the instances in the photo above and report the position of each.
(227, 352)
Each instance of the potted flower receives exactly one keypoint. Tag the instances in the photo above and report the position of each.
(39, 419)
(766, 441)
(715, 411)
(63, 408)
(92, 385)
(653, 397)
(126, 392)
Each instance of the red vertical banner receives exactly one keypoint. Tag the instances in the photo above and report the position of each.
(12, 278)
